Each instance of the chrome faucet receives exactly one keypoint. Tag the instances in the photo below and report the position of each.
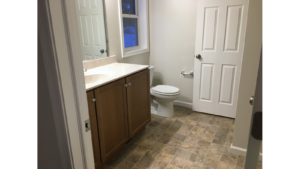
(84, 68)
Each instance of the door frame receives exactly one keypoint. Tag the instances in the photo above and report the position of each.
(64, 70)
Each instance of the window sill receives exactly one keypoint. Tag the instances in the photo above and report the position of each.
(135, 52)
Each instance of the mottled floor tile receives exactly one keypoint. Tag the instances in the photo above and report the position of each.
(198, 129)
(203, 120)
(215, 151)
(179, 137)
(183, 154)
(191, 122)
(152, 154)
(164, 139)
(170, 150)
(211, 163)
(229, 158)
(184, 132)
(175, 143)
(169, 133)
(115, 161)
(224, 165)
(195, 134)
(240, 161)
(194, 118)
(166, 158)
(187, 127)
(178, 162)
(157, 147)
(191, 140)
(192, 165)
(153, 137)
(134, 157)
(196, 158)
(158, 165)
(207, 135)
(220, 138)
(227, 120)
(147, 143)
(171, 167)
(138, 167)
(201, 124)
(187, 146)
(123, 153)
(141, 149)
(125, 165)
(146, 162)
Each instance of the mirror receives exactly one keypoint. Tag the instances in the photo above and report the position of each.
(91, 19)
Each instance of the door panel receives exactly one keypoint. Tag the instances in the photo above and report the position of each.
(220, 42)
(112, 126)
(91, 28)
(232, 28)
(228, 74)
(138, 101)
(206, 82)
(94, 129)
(210, 22)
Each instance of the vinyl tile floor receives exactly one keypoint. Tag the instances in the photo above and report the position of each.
(188, 140)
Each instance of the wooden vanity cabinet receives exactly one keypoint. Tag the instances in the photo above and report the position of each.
(121, 110)
(94, 129)
(138, 101)
(112, 117)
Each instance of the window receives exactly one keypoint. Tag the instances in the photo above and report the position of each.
(134, 26)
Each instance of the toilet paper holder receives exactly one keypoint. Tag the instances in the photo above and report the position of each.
(189, 74)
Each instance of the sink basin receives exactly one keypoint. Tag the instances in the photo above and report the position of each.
(94, 77)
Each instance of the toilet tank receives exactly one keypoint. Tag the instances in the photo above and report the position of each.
(151, 74)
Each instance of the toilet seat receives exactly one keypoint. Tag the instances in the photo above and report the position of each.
(165, 90)
(166, 94)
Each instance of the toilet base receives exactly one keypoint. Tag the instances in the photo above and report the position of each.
(164, 109)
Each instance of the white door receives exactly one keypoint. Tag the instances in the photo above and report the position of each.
(220, 36)
(254, 144)
(90, 17)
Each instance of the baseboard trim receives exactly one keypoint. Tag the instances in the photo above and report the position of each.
(183, 104)
(241, 151)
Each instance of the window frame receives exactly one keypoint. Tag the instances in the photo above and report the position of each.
(138, 27)
(143, 39)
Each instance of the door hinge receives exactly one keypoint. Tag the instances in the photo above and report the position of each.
(257, 126)
(87, 125)
(93, 99)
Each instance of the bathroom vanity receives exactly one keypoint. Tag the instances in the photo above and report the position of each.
(118, 98)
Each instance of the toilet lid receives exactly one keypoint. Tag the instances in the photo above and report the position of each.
(165, 89)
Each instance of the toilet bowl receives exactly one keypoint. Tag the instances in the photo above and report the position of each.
(164, 96)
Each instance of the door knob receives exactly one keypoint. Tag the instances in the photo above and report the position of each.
(251, 100)
(198, 56)
(102, 51)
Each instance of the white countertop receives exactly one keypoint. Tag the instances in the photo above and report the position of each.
(112, 72)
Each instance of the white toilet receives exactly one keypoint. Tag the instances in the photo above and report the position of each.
(163, 95)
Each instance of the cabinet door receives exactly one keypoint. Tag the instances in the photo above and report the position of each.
(112, 118)
(94, 129)
(138, 101)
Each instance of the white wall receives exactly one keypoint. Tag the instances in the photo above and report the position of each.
(172, 43)
(113, 30)
(253, 44)
(48, 148)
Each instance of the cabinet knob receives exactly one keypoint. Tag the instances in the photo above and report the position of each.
(94, 100)
(129, 84)
(125, 85)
